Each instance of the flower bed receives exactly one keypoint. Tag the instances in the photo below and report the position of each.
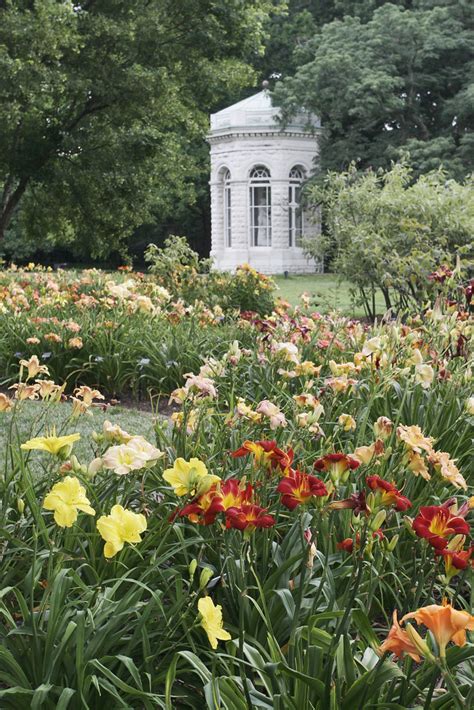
(297, 536)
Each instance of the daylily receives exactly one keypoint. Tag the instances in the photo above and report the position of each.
(414, 439)
(298, 488)
(424, 375)
(204, 509)
(189, 477)
(34, 368)
(366, 454)
(436, 523)
(266, 453)
(386, 494)
(248, 517)
(347, 422)
(119, 527)
(234, 493)
(272, 412)
(87, 394)
(211, 621)
(398, 642)
(5, 403)
(416, 464)
(136, 454)
(383, 428)
(66, 498)
(445, 623)
(455, 557)
(338, 466)
(56, 445)
(447, 468)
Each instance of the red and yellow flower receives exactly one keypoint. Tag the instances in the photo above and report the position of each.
(249, 517)
(337, 465)
(386, 494)
(204, 509)
(436, 523)
(266, 453)
(298, 488)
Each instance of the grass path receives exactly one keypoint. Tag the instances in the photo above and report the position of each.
(36, 417)
(326, 291)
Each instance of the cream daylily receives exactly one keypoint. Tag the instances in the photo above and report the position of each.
(135, 454)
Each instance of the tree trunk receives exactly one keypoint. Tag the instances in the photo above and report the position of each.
(10, 199)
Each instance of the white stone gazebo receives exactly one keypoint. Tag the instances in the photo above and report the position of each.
(257, 169)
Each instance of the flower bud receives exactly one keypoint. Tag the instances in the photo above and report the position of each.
(206, 575)
(419, 643)
(192, 569)
(20, 504)
(378, 520)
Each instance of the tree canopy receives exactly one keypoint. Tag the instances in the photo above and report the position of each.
(100, 103)
(387, 78)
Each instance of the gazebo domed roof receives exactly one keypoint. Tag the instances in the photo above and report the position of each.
(256, 114)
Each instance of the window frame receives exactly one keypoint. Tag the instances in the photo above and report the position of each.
(260, 177)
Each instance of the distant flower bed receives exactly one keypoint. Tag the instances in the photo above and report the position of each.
(298, 535)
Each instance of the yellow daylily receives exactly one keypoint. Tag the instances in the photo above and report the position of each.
(189, 477)
(56, 445)
(211, 621)
(119, 527)
(66, 498)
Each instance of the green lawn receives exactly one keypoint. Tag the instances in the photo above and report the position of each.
(31, 423)
(326, 292)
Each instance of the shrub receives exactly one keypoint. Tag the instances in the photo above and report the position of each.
(389, 232)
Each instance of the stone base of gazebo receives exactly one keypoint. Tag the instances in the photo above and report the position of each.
(267, 260)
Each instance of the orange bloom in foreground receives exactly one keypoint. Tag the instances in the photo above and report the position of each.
(398, 642)
(445, 623)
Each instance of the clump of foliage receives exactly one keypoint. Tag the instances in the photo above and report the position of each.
(384, 77)
(385, 230)
(179, 269)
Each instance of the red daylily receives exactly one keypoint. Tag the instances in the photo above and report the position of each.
(348, 543)
(249, 517)
(356, 502)
(457, 560)
(387, 494)
(203, 510)
(337, 465)
(436, 523)
(234, 493)
(298, 488)
(266, 453)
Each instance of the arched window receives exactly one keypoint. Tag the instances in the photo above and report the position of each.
(260, 207)
(227, 209)
(295, 213)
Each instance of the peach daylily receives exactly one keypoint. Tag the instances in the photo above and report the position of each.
(34, 368)
(445, 623)
(398, 642)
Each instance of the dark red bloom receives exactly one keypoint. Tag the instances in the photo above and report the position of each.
(298, 488)
(342, 461)
(356, 502)
(436, 523)
(249, 516)
(337, 465)
(203, 510)
(266, 453)
(443, 273)
(460, 559)
(348, 543)
(387, 493)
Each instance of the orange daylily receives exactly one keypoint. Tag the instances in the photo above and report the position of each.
(398, 642)
(445, 623)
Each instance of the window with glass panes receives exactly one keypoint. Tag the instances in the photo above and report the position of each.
(260, 207)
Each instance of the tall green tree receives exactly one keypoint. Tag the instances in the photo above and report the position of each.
(389, 80)
(101, 103)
